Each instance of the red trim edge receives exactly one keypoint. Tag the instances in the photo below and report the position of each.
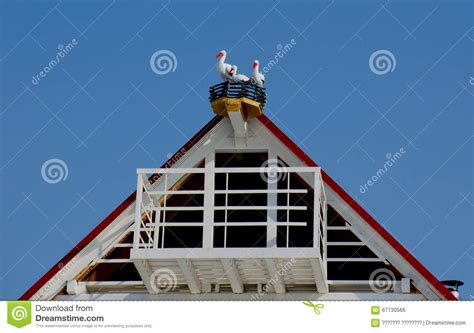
(358, 209)
(112, 216)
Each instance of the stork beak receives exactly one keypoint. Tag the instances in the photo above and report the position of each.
(254, 64)
(219, 55)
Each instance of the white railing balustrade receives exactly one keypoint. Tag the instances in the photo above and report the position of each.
(152, 203)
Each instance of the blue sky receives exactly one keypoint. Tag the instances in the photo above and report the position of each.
(103, 111)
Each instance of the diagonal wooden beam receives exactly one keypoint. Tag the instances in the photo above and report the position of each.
(319, 276)
(276, 280)
(144, 269)
(190, 275)
(233, 275)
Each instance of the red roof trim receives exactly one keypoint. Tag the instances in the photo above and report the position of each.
(304, 158)
(358, 209)
(112, 216)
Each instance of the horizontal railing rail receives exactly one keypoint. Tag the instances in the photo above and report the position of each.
(154, 208)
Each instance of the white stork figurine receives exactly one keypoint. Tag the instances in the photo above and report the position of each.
(238, 77)
(223, 69)
(257, 77)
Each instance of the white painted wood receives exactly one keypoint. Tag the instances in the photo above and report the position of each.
(145, 271)
(209, 187)
(288, 296)
(272, 201)
(261, 208)
(345, 244)
(276, 278)
(75, 288)
(338, 228)
(138, 211)
(354, 259)
(284, 191)
(233, 275)
(113, 261)
(238, 124)
(218, 253)
(190, 275)
(405, 288)
(319, 276)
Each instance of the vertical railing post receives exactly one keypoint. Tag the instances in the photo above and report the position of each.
(138, 210)
(208, 214)
(316, 211)
(272, 198)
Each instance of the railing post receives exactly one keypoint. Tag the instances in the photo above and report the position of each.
(208, 214)
(138, 210)
(272, 198)
(316, 211)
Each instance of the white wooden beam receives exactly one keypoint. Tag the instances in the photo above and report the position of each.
(144, 269)
(319, 276)
(75, 288)
(272, 201)
(190, 275)
(406, 285)
(233, 275)
(276, 280)
(238, 123)
(289, 296)
(208, 213)
(218, 253)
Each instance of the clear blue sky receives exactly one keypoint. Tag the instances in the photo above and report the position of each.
(322, 93)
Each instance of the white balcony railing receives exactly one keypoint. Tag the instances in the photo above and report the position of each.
(153, 206)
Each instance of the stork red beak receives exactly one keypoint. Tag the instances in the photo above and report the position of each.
(219, 55)
(254, 64)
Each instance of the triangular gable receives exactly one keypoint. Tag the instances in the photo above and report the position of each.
(368, 228)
